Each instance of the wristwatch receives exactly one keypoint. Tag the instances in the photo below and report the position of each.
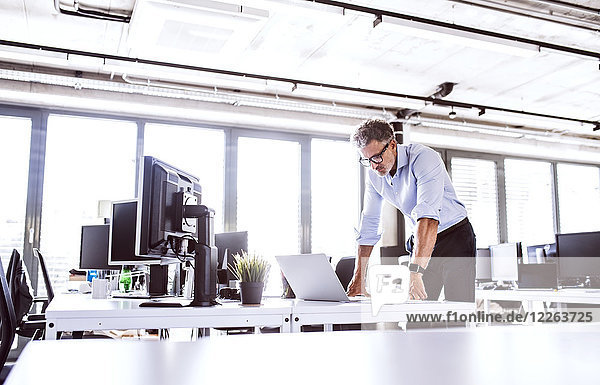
(415, 268)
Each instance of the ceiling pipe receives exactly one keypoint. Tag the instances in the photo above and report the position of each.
(425, 99)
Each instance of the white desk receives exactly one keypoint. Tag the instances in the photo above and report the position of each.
(73, 312)
(76, 312)
(491, 356)
(583, 296)
(329, 313)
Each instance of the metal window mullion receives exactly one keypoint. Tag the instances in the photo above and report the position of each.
(305, 196)
(502, 204)
(139, 154)
(33, 211)
(230, 188)
(555, 197)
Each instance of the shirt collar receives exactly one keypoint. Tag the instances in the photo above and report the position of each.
(402, 159)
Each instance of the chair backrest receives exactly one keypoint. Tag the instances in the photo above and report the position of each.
(45, 275)
(20, 288)
(12, 265)
(345, 271)
(8, 320)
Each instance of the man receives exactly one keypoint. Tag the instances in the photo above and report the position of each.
(414, 180)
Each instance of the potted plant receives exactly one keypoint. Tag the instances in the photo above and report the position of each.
(252, 271)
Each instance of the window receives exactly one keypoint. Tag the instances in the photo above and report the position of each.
(578, 198)
(87, 160)
(15, 137)
(334, 204)
(475, 183)
(268, 200)
(201, 152)
(529, 205)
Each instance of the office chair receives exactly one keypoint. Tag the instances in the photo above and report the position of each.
(46, 276)
(27, 325)
(8, 324)
(345, 270)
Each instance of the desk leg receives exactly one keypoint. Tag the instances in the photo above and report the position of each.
(50, 332)
(286, 324)
(295, 325)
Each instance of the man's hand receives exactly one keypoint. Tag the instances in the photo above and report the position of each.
(356, 286)
(417, 288)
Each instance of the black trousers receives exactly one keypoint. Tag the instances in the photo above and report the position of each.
(452, 264)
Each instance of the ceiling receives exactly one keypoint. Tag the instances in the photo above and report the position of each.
(320, 43)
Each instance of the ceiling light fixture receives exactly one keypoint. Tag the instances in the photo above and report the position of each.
(464, 38)
(452, 114)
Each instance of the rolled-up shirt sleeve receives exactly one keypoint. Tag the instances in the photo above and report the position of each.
(428, 169)
(368, 232)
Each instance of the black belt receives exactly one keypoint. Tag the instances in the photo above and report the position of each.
(451, 229)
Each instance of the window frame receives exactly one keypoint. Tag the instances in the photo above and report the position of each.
(39, 119)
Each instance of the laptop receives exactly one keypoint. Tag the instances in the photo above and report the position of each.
(311, 277)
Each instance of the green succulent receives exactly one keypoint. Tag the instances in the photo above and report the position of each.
(250, 268)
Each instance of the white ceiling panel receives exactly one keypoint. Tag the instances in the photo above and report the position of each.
(305, 40)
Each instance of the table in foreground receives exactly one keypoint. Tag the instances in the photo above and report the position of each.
(76, 312)
(495, 355)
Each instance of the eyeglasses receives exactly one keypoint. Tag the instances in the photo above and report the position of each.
(377, 158)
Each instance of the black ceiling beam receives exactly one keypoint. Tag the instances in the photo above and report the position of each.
(425, 99)
(457, 27)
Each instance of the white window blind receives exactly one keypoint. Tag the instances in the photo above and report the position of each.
(334, 203)
(578, 198)
(476, 187)
(529, 205)
(268, 200)
(87, 160)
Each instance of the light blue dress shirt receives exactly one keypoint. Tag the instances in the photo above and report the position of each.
(421, 188)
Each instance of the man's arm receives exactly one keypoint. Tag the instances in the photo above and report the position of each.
(357, 284)
(425, 237)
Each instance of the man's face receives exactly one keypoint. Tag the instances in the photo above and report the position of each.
(388, 157)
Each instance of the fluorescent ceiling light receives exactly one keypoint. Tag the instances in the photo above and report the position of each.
(453, 36)
(149, 88)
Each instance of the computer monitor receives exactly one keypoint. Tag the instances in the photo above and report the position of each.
(164, 191)
(171, 222)
(538, 276)
(93, 253)
(578, 255)
(231, 243)
(483, 266)
(532, 256)
(504, 260)
(121, 237)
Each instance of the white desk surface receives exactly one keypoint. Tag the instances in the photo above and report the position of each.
(584, 296)
(74, 312)
(411, 306)
(83, 306)
(492, 356)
